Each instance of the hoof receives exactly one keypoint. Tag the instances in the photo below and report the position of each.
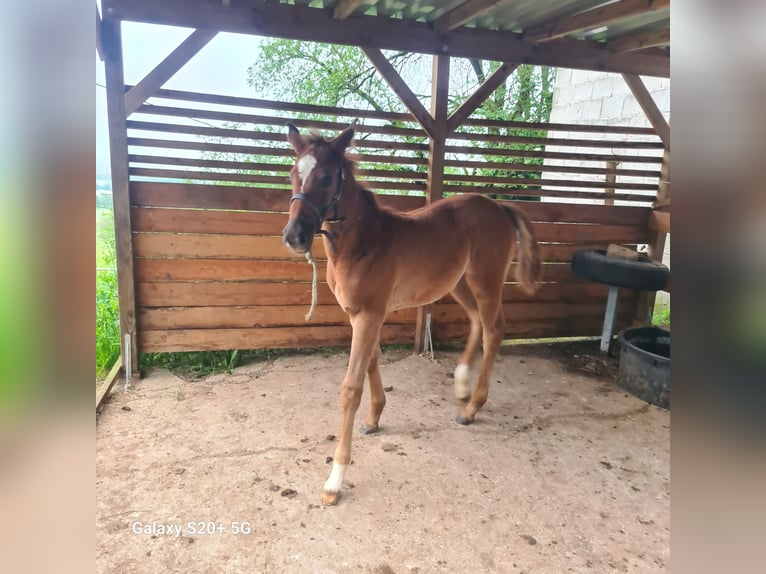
(330, 498)
(463, 421)
(364, 429)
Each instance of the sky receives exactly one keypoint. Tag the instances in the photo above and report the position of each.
(219, 68)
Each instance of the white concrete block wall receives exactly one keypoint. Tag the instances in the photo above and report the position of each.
(585, 97)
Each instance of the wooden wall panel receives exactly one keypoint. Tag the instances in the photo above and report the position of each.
(208, 205)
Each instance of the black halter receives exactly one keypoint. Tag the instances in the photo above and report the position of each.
(321, 214)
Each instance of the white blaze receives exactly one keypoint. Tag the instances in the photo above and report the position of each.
(335, 481)
(305, 165)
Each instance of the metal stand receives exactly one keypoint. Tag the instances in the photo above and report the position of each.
(611, 311)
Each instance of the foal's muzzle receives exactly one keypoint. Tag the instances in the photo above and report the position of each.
(298, 235)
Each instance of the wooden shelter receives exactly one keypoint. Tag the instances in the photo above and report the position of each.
(201, 265)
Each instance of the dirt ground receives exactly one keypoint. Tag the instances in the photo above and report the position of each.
(561, 472)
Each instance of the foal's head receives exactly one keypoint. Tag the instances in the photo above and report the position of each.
(317, 179)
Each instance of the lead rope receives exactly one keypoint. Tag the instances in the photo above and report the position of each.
(310, 259)
(428, 342)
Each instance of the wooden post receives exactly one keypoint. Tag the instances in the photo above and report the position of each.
(437, 143)
(118, 148)
(611, 178)
(656, 245)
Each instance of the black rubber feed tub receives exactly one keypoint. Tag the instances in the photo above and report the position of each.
(645, 364)
(641, 275)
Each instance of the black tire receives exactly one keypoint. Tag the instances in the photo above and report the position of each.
(641, 275)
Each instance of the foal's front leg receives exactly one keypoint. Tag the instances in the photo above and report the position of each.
(366, 330)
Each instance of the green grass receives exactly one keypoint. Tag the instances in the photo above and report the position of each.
(107, 308)
(661, 315)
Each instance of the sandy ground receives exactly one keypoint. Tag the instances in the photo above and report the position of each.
(562, 471)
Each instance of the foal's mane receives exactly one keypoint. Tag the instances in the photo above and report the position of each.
(349, 167)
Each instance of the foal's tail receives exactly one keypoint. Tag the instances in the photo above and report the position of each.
(529, 269)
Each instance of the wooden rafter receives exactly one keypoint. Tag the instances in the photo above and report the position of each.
(640, 41)
(482, 93)
(650, 108)
(592, 19)
(311, 24)
(165, 70)
(344, 8)
(401, 89)
(465, 13)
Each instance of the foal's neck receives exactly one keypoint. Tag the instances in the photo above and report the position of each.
(359, 211)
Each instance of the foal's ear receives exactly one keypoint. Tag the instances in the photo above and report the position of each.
(295, 138)
(344, 138)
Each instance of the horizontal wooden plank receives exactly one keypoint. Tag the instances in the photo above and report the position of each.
(374, 114)
(232, 293)
(324, 336)
(232, 197)
(500, 190)
(544, 154)
(261, 338)
(199, 221)
(257, 199)
(281, 106)
(168, 318)
(547, 141)
(546, 328)
(540, 168)
(281, 170)
(196, 246)
(249, 150)
(203, 246)
(272, 180)
(375, 144)
(589, 233)
(255, 135)
(582, 212)
(257, 119)
(232, 149)
(207, 221)
(213, 258)
(593, 184)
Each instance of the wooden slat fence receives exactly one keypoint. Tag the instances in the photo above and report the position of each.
(209, 194)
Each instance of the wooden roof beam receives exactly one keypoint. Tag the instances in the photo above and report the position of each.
(592, 19)
(344, 8)
(464, 13)
(165, 70)
(650, 108)
(640, 41)
(401, 89)
(482, 93)
(298, 22)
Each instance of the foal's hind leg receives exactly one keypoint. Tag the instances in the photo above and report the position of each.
(377, 395)
(462, 294)
(493, 322)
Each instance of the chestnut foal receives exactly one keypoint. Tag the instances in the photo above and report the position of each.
(380, 260)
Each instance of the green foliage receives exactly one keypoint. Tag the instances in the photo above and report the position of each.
(202, 363)
(103, 201)
(661, 315)
(323, 74)
(107, 306)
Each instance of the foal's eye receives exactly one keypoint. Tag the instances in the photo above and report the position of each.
(326, 181)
